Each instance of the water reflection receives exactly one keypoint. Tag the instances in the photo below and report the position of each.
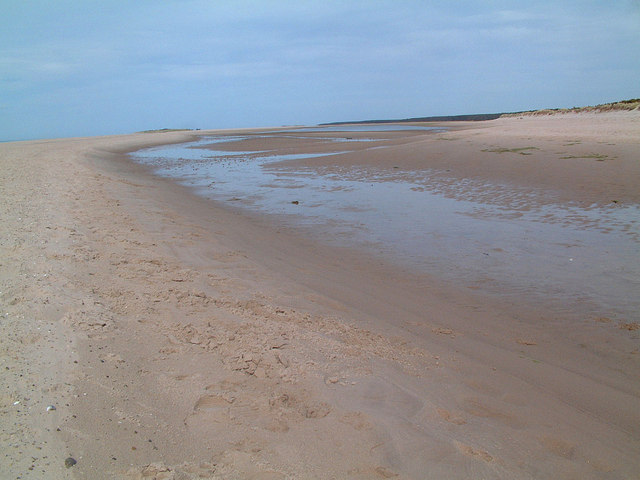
(582, 258)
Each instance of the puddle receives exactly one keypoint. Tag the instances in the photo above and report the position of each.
(571, 258)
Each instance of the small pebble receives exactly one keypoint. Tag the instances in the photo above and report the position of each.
(50, 407)
(70, 462)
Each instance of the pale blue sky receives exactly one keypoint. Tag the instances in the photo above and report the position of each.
(75, 68)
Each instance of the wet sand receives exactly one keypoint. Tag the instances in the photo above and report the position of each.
(178, 338)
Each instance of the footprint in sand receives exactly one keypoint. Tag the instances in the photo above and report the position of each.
(159, 470)
(473, 452)
(475, 407)
(208, 409)
(357, 420)
(209, 403)
(448, 417)
(558, 447)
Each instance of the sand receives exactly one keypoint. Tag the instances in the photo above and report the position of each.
(177, 338)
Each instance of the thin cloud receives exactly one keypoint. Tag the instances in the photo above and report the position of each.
(305, 61)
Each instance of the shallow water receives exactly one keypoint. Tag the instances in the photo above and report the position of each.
(571, 258)
(373, 127)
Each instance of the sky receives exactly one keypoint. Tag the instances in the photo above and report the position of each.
(98, 67)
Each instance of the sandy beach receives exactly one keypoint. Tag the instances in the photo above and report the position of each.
(150, 333)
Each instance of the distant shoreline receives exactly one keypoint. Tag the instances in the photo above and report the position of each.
(626, 105)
